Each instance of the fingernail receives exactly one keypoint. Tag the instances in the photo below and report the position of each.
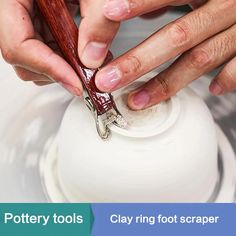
(73, 90)
(140, 100)
(116, 8)
(94, 54)
(108, 78)
(215, 88)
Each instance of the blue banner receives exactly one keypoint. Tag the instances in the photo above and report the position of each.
(164, 219)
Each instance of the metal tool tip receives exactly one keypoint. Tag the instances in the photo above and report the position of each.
(121, 122)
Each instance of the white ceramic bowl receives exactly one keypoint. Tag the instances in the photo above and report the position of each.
(167, 154)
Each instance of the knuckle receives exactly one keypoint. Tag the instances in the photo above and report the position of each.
(179, 33)
(164, 86)
(199, 59)
(9, 55)
(226, 44)
(202, 18)
(133, 65)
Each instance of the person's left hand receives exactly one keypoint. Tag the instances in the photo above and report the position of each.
(205, 39)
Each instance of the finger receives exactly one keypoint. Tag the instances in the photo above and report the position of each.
(20, 48)
(119, 10)
(41, 80)
(96, 33)
(225, 80)
(27, 75)
(196, 62)
(169, 42)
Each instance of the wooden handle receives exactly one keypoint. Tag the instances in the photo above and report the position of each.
(65, 32)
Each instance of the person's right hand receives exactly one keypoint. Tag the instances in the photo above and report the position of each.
(26, 44)
(200, 41)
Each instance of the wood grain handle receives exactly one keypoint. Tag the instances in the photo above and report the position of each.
(65, 32)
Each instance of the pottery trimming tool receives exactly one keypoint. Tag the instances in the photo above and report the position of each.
(65, 32)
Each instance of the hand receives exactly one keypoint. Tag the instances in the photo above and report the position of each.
(205, 39)
(26, 43)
